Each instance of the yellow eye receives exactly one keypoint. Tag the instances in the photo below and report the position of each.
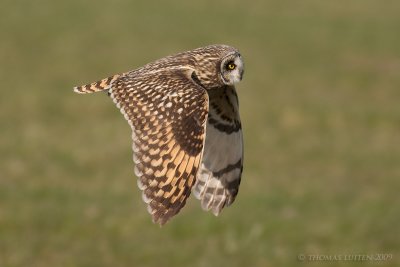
(231, 66)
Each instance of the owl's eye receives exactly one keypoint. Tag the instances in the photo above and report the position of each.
(231, 66)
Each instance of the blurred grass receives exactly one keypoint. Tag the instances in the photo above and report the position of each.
(319, 105)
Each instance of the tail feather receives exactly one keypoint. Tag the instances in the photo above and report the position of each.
(98, 86)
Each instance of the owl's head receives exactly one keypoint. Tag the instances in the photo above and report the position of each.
(232, 68)
(216, 65)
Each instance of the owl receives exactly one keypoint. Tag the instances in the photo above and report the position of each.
(186, 130)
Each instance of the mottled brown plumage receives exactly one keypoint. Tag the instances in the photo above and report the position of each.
(186, 130)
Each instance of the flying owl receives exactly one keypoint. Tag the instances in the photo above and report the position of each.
(186, 130)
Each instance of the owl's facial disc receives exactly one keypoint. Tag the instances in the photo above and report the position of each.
(232, 68)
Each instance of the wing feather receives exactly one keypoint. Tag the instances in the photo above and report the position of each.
(219, 177)
(167, 143)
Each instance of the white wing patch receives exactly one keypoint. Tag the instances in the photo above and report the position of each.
(218, 179)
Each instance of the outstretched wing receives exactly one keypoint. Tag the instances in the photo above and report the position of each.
(218, 179)
(167, 111)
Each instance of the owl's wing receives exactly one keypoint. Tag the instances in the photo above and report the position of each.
(167, 111)
(218, 179)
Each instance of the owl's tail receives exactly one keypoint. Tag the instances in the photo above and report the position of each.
(98, 86)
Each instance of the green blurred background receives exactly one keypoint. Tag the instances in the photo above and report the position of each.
(321, 117)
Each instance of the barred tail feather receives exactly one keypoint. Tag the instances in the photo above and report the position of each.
(98, 86)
